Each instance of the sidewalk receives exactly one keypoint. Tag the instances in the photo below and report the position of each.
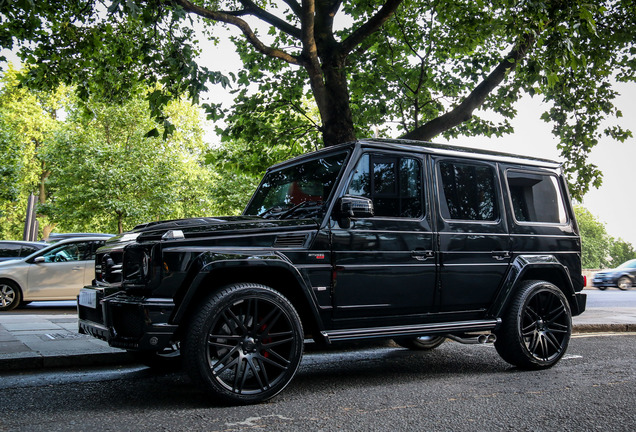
(49, 341)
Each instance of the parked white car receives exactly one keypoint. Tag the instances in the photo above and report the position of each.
(57, 272)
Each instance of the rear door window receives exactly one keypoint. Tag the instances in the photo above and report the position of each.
(467, 191)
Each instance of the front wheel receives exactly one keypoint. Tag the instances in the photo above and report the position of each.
(244, 344)
(536, 328)
(10, 295)
(624, 283)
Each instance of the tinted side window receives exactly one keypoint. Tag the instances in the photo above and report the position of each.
(467, 191)
(28, 250)
(9, 250)
(393, 183)
(536, 198)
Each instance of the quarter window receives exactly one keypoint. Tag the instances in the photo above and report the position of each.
(467, 191)
(536, 198)
(393, 183)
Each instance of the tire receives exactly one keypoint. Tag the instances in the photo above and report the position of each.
(167, 360)
(10, 295)
(422, 343)
(536, 328)
(602, 288)
(244, 344)
(624, 283)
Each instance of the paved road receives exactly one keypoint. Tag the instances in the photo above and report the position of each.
(456, 387)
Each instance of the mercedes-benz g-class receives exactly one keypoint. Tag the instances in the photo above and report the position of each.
(371, 239)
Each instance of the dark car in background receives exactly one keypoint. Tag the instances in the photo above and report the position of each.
(15, 249)
(622, 277)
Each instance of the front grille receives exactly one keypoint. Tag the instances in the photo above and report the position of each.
(128, 322)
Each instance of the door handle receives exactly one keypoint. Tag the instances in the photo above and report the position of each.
(501, 255)
(78, 268)
(422, 255)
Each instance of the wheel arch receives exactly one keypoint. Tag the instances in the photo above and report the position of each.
(535, 267)
(277, 274)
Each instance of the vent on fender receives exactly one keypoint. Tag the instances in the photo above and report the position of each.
(290, 240)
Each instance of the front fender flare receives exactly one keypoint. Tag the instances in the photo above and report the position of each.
(209, 262)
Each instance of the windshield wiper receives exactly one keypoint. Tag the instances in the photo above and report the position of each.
(307, 206)
(272, 212)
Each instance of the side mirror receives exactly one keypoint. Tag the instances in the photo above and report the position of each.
(355, 206)
(39, 260)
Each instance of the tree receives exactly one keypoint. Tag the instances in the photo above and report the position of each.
(107, 175)
(599, 249)
(428, 65)
(28, 120)
(621, 251)
(595, 242)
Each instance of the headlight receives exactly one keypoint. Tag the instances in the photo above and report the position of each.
(137, 266)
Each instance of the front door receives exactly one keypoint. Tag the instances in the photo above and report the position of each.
(385, 264)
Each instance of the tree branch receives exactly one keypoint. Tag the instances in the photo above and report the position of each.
(294, 6)
(476, 98)
(371, 26)
(243, 26)
(262, 14)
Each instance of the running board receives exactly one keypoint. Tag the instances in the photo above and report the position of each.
(412, 330)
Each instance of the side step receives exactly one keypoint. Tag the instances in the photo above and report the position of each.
(411, 330)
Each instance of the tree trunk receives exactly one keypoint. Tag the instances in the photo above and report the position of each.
(337, 120)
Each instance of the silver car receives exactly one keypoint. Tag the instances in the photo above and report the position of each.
(57, 272)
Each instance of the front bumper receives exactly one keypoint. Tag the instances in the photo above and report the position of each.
(604, 283)
(128, 322)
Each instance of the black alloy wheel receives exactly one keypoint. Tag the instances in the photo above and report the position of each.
(245, 344)
(10, 295)
(537, 327)
(422, 343)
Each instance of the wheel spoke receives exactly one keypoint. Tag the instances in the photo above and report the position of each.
(272, 362)
(224, 359)
(255, 371)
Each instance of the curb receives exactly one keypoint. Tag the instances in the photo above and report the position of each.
(601, 328)
(37, 361)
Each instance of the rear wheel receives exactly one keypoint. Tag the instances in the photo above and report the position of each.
(10, 295)
(536, 328)
(624, 283)
(244, 344)
(422, 343)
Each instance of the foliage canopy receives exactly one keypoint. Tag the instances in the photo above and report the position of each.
(430, 67)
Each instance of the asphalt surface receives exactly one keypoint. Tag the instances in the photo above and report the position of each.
(41, 340)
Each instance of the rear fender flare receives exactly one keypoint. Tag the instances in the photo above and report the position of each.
(521, 269)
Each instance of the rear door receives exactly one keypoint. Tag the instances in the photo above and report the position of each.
(474, 244)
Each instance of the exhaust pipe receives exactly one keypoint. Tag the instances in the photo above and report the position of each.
(479, 339)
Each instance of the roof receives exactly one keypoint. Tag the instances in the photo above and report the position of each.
(430, 148)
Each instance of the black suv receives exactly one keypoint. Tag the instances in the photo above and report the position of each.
(372, 239)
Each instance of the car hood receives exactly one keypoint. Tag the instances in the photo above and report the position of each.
(213, 226)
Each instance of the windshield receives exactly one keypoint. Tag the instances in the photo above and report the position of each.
(297, 191)
(628, 264)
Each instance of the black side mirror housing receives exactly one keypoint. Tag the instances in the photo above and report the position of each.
(355, 206)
